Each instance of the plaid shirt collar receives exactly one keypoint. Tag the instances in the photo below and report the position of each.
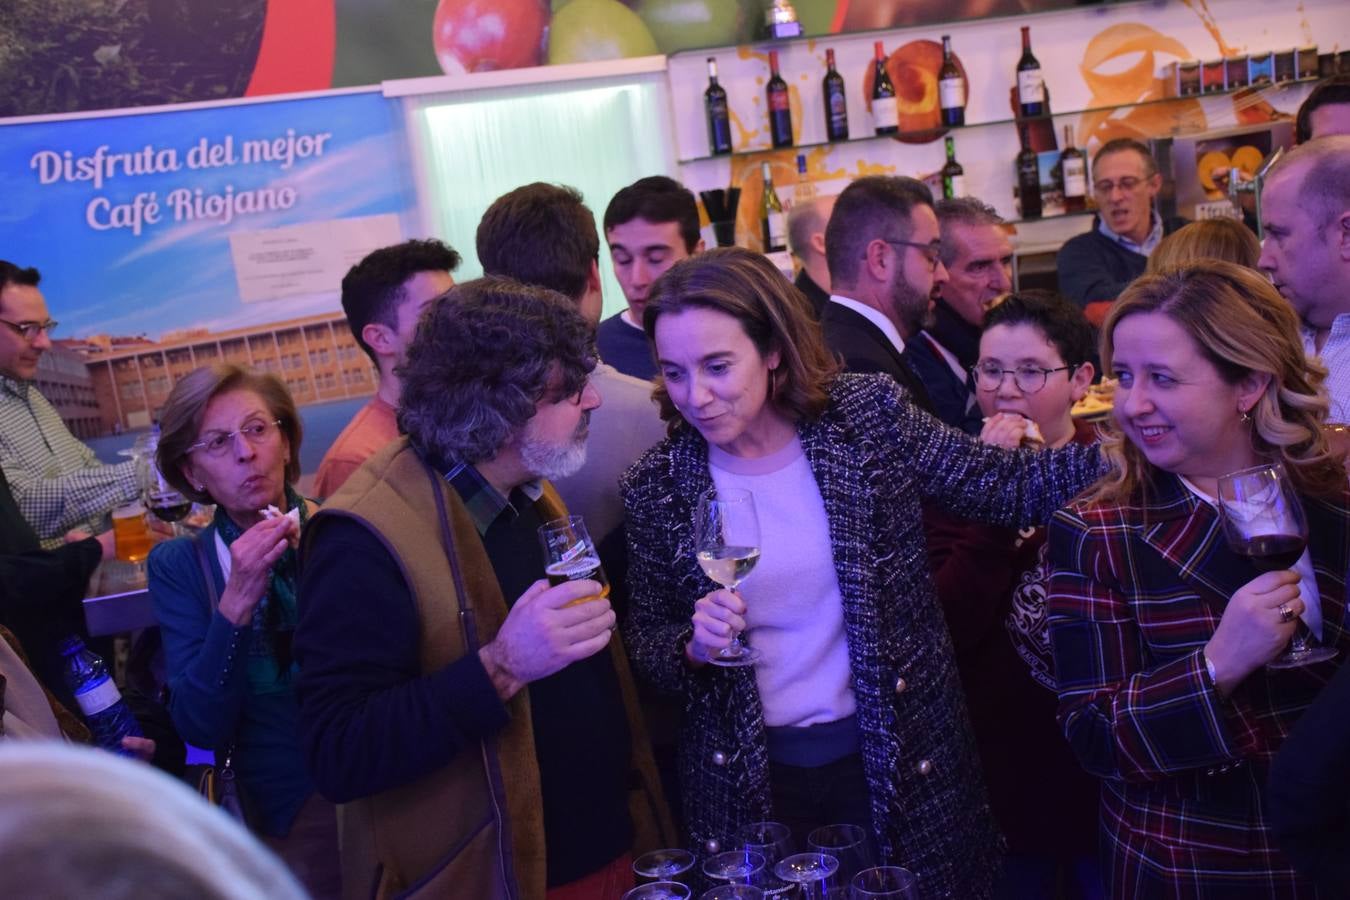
(1167, 498)
(17, 388)
(484, 502)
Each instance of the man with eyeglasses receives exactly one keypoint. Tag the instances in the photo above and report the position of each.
(883, 247)
(978, 255)
(57, 481)
(1096, 266)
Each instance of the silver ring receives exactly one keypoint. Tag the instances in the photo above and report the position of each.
(1286, 614)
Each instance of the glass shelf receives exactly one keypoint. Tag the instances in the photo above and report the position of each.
(935, 133)
(1054, 218)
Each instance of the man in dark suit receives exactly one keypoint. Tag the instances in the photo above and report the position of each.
(882, 245)
(806, 239)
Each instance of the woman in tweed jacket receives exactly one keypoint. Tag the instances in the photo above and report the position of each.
(740, 357)
(1161, 633)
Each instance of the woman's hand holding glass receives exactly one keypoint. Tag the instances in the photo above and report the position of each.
(718, 617)
(252, 556)
(1254, 628)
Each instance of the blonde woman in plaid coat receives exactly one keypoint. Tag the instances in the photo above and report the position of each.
(746, 375)
(1161, 633)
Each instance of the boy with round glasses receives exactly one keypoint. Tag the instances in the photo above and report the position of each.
(1033, 366)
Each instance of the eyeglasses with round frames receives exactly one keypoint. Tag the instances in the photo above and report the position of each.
(1029, 379)
(30, 330)
(218, 443)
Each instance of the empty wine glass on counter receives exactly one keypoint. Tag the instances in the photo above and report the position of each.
(734, 867)
(726, 539)
(884, 883)
(672, 865)
(772, 840)
(812, 873)
(733, 892)
(659, 890)
(849, 844)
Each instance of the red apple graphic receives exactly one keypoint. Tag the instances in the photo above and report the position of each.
(484, 35)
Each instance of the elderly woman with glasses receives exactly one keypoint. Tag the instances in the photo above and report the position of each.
(225, 601)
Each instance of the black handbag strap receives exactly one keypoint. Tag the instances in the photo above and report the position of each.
(214, 597)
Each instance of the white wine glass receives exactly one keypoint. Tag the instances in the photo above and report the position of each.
(726, 539)
(1264, 521)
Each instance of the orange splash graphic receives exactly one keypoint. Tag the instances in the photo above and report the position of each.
(1135, 84)
(1201, 9)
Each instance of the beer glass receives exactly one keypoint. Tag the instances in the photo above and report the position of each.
(131, 535)
(570, 555)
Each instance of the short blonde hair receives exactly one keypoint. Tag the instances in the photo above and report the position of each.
(81, 822)
(1225, 239)
(180, 420)
(1242, 325)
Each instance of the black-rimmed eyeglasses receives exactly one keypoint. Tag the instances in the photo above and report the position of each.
(30, 330)
(930, 251)
(1029, 379)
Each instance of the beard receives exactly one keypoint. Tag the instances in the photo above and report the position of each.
(553, 461)
(910, 306)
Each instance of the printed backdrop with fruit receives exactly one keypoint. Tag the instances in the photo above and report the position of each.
(69, 55)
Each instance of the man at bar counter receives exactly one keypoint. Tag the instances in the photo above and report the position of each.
(383, 295)
(480, 724)
(650, 225)
(1096, 266)
(57, 481)
(1305, 213)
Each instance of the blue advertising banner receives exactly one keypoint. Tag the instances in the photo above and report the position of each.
(175, 239)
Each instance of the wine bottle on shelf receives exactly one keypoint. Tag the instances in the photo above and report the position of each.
(953, 176)
(1073, 173)
(836, 103)
(884, 111)
(719, 116)
(773, 223)
(780, 110)
(1030, 82)
(1028, 178)
(951, 87)
(804, 191)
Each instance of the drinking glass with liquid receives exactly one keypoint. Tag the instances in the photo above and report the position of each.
(726, 538)
(131, 534)
(570, 555)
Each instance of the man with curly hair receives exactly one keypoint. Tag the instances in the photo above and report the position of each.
(479, 724)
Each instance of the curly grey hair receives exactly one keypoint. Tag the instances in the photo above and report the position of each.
(485, 353)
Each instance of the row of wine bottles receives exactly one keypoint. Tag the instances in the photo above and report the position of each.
(1070, 179)
(885, 112)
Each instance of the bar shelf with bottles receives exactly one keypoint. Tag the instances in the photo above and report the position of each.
(939, 131)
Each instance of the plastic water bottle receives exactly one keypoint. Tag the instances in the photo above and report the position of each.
(105, 712)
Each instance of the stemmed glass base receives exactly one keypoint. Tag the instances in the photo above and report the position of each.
(734, 656)
(1300, 654)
